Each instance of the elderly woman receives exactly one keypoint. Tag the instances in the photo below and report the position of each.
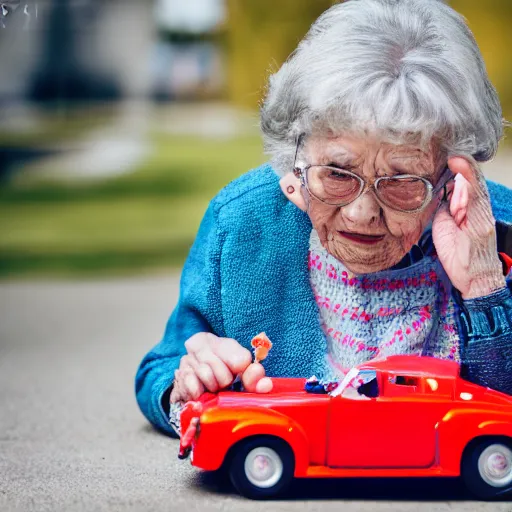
(372, 231)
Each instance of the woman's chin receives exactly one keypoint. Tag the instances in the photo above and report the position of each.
(369, 264)
(364, 260)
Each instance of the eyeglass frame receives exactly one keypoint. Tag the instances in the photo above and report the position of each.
(432, 190)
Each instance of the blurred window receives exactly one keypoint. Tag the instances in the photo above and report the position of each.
(190, 16)
(17, 15)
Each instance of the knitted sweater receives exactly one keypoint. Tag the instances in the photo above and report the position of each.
(247, 272)
(406, 310)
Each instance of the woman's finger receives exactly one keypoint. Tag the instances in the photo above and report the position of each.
(203, 371)
(458, 195)
(254, 373)
(264, 385)
(192, 388)
(476, 187)
(236, 357)
(476, 212)
(219, 370)
(460, 199)
(459, 165)
(186, 363)
(175, 393)
(207, 377)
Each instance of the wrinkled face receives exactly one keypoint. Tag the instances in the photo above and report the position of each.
(365, 235)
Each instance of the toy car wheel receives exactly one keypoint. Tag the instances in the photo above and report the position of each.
(487, 469)
(262, 467)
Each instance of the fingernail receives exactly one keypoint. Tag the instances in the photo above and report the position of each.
(264, 385)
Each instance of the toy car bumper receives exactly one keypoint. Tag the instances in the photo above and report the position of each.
(188, 437)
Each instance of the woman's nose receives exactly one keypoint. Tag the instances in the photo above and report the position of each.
(365, 210)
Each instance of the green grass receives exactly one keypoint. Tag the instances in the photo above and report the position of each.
(139, 222)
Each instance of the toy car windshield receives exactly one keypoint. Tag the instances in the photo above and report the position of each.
(357, 384)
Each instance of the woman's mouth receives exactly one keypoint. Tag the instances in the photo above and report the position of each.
(361, 238)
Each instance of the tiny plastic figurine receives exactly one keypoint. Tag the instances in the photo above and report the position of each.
(261, 345)
(404, 416)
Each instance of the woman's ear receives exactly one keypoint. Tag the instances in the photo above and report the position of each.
(291, 187)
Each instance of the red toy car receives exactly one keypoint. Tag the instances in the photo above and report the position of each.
(404, 416)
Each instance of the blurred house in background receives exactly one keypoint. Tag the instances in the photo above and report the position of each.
(17, 15)
(76, 50)
(17, 23)
(187, 60)
(97, 50)
(121, 119)
(182, 49)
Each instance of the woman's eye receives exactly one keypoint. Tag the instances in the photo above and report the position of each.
(339, 175)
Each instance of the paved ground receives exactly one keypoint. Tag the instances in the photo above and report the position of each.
(71, 435)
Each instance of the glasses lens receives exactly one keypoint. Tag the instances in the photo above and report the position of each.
(332, 185)
(407, 194)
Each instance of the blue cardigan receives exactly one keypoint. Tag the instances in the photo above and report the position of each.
(247, 272)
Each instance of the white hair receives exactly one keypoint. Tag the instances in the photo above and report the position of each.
(405, 69)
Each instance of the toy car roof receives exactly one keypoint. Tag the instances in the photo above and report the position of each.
(421, 366)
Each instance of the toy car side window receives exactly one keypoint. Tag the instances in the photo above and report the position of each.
(402, 385)
(403, 380)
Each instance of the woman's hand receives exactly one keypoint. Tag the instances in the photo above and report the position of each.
(464, 234)
(211, 364)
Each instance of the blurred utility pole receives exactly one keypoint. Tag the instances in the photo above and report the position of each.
(62, 74)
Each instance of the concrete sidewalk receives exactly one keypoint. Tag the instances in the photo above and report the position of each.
(73, 439)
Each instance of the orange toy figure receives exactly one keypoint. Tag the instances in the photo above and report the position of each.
(416, 417)
(261, 345)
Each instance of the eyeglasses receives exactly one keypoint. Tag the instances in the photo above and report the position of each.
(338, 187)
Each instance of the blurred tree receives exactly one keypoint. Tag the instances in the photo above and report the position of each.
(261, 35)
(491, 22)
(62, 74)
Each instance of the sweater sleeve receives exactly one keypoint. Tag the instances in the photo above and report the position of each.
(198, 310)
(486, 323)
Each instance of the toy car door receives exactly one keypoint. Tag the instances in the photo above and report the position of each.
(368, 429)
